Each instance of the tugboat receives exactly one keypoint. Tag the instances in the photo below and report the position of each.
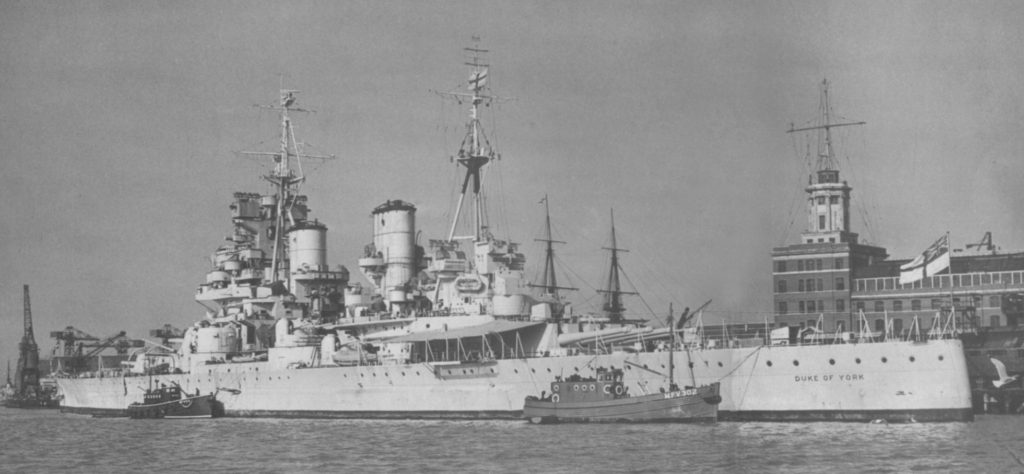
(172, 402)
(606, 399)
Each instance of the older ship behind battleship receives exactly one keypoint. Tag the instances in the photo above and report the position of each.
(455, 329)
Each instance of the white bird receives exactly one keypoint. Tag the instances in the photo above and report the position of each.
(1001, 371)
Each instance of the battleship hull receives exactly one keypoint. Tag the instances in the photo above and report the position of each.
(897, 381)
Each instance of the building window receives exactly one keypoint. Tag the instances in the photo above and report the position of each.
(783, 307)
(782, 286)
(839, 264)
(833, 200)
(840, 326)
(800, 285)
(897, 305)
(994, 321)
(780, 266)
(860, 306)
(879, 306)
(956, 280)
(840, 284)
(880, 325)
(802, 308)
(821, 305)
(821, 199)
(800, 264)
(915, 305)
(840, 305)
(812, 323)
(986, 279)
(821, 266)
(821, 222)
(936, 303)
(810, 307)
(897, 326)
(821, 284)
(810, 284)
(993, 301)
(861, 285)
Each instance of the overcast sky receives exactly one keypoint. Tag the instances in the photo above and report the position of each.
(118, 121)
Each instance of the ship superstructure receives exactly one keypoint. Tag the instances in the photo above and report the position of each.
(270, 282)
(452, 330)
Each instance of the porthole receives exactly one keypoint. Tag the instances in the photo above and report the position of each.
(941, 358)
(514, 370)
(663, 366)
(549, 370)
(533, 370)
(857, 360)
(831, 362)
(403, 374)
(720, 364)
(417, 372)
(884, 360)
(796, 362)
(576, 369)
(912, 358)
(691, 364)
(492, 371)
(769, 363)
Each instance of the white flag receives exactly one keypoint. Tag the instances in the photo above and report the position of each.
(933, 260)
(477, 79)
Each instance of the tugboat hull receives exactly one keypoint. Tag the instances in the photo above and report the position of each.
(203, 406)
(694, 405)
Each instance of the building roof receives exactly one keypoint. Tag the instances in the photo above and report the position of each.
(969, 264)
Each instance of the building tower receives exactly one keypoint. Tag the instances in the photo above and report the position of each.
(812, 279)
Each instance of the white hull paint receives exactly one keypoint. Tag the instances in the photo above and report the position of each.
(901, 381)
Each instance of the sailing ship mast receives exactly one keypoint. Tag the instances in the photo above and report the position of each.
(613, 289)
(549, 281)
(285, 178)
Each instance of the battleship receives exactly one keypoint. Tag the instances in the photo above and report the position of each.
(455, 329)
